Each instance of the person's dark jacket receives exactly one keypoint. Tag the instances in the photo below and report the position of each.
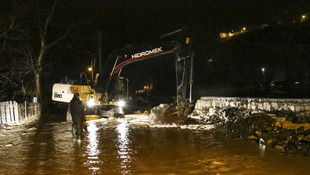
(77, 111)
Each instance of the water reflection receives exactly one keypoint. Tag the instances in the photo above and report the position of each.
(123, 146)
(64, 147)
(117, 147)
(92, 148)
(262, 146)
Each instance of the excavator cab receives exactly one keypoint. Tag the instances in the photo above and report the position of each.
(119, 90)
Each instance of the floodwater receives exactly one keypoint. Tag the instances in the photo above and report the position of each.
(121, 147)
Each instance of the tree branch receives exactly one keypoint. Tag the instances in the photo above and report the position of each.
(39, 19)
(49, 18)
(60, 38)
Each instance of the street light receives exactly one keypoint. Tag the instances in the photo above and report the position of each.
(263, 84)
(303, 18)
(243, 29)
(90, 69)
(263, 71)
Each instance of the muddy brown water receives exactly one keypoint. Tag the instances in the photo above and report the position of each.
(118, 147)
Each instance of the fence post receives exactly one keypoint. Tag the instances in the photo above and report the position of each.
(16, 114)
(7, 110)
(12, 113)
(26, 111)
(2, 110)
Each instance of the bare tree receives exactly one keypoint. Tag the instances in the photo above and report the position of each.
(9, 33)
(26, 45)
(44, 46)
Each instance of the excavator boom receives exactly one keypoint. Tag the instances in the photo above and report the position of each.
(180, 46)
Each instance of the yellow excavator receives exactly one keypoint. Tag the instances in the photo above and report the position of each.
(106, 95)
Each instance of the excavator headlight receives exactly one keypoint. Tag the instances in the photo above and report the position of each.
(91, 102)
(121, 103)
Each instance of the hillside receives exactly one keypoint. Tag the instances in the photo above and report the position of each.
(233, 67)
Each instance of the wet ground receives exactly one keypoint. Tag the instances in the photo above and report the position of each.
(135, 145)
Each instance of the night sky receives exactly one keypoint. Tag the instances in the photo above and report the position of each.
(217, 62)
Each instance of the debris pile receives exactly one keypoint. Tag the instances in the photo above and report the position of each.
(167, 114)
(171, 114)
(286, 132)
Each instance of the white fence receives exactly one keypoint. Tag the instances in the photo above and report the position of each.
(12, 113)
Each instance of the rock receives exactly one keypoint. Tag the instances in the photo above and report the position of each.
(31, 129)
(137, 112)
(9, 145)
(307, 138)
(291, 151)
(217, 163)
(293, 142)
(305, 148)
(258, 133)
(292, 108)
(279, 148)
(307, 132)
(301, 118)
(300, 137)
(279, 124)
(252, 137)
(299, 147)
(260, 106)
(267, 106)
(274, 106)
(300, 130)
(299, 108)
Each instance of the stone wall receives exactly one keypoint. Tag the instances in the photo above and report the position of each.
(204, 104)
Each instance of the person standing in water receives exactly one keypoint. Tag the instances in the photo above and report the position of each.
(78, 117)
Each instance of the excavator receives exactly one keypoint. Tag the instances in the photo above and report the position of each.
(106, 95)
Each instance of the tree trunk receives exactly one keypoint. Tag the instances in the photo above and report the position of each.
(38, 90)
(37, 75)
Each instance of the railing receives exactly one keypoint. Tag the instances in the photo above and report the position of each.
(12, 113)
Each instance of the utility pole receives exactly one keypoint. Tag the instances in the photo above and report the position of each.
(191, 77)
(99, 51)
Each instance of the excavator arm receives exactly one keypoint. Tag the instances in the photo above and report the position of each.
(180, 46)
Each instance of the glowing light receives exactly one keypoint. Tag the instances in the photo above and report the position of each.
(262, 146)
(91, 102)
(232, 33)
(121, 103)
(187, 40)
(92, 148)
(90, 69)
(303, 18)
(123, 145)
